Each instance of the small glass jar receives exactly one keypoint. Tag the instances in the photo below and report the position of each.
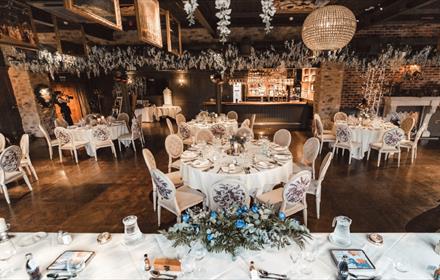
(132, 233)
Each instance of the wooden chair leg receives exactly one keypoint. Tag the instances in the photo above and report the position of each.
(378, 159)
(398, 159)
(134, 145)
(158, 215)
(33, 170)
(50, 152)
(76, 156)
(318, 206)
(26, 180)
(368, 154)
(305, 216)
(119, 144)
(61, 155)
(5, 191)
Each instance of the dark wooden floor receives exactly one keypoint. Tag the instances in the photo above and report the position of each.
(95, 196)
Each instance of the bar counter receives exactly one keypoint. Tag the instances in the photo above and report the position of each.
(296, 114)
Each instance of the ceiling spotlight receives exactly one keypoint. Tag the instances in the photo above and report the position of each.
(369, 8)
(290, 18)
(381, 8)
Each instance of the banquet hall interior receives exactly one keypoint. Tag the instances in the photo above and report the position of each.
(202, 120)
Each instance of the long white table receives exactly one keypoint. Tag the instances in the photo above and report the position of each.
(117, 261)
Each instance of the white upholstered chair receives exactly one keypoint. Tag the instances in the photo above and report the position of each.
(218, 130)
(412, 145)
(232, 115)
(310, 153)
(123, 117)
(324, 136)
(316, 185)
(50, 142)
(101, 138)
(25, 157)
(150, 161)
(180, 118)
(67, 142)
(135, 134)
(407, 125)
(292, 196)
(11, 170)
(174, 200)
(282, 137)
(184, 131)
(340, 117)
(2, 142)
(170, 126)
(204, 135)
(344, 141)
(61, 122)
(253, 117)
(390, 144)
(227, 193)
(245, 132)
(246, 123)
(174, 148)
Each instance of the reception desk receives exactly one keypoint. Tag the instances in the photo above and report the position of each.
(295, 114)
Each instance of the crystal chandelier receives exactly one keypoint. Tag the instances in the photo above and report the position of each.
(329, 28)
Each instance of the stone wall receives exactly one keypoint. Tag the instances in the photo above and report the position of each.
(328, 90)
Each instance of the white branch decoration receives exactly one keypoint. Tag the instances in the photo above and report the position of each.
(224, 16)
(268, 11)
(190, 6)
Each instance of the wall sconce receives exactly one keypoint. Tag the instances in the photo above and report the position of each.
(181, 81)
(412, 72)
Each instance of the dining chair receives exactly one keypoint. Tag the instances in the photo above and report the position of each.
(292, 196)
(131, 137)
(170, 126)
(316, 185)
(66, 141)
(174, 149)
(50, 142)
(2, 142)
(184, 131)
(123, 117)
(344, 141)
(324, 136)
(11, 170)
(61, 122)
(204, 135)
(246, 123)
(138, 118)
(150, 161)
(218, 130)
(340, 117)
(227, 193)
(282, 137)
(390, 144)
(203, 114)
(310, 153)
(25, 157)
(407, 126)
(174, 200)
(232, 115)
(412, 145)
(253, 117)
(245, 132)
(101, 138)
(180, 118)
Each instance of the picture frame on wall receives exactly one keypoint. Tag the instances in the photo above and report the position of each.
(17, 26)
(117, 106)
(105, 12)
(171, 31)
(148, 22)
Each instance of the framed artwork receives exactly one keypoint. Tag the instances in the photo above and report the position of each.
(171, 31)
(117, 106)
(80, 256)
(357, 259)
(105, 12)
(17, 27)
(148, 22)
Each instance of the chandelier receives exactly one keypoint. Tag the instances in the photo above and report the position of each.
(329, 28)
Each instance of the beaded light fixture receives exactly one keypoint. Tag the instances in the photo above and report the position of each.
(329, 28)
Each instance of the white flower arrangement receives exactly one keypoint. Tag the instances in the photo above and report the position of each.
(190, 7)
(224, 16)
(268, 11)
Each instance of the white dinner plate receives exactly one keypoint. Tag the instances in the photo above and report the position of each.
(265, 165)
(282, 157)
(235, 170)
(188, 155)
(201, 163)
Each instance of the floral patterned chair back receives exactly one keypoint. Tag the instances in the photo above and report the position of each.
(391, 138)
(101, 133)
(407, 125)
(184, 130)
(166, 190)
(110, 119)
(174, 146)
(232, 115)
(227, 193)
(311, 150)
(123, 117)
(246, 123)
(295, 190)
(282, 137)
(343, 134)
(135, 129)
(170, 126)
(180, 118)
(204, 135)
(24, 145)
(245, 132)
(149, 159)
(2, 142)
(218, 130)
(340, 117)
(10, 159)
(63, 136)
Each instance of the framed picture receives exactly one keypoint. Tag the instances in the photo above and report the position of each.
(60, 263)
(171, 31)
(105, 12)
(357, 259)
(17, 27)
(117, 105)
(148, 22)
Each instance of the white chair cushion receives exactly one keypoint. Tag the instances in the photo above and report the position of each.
(187, 197)
(407, 143)
(125, 137)
(176, 164)
(312, 187)
(54, 142)
(78, 144)
(12, 176)
(328, 137)
(175, 177)
(378, 146)
(272, 197)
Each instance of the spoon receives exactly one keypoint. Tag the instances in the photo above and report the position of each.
(265, 273)
(157, 273)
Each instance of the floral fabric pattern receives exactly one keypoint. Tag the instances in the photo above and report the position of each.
(101, 133)
(393, 137)
(163, 188)
(343, 133)
(218, 130)
(227, 195)
(135, 129)
(62, 135)
(185, 130)
(10, 159)
(296, 189)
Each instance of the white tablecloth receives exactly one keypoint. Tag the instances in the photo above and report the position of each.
(231, 126)
(148, 114)
(117, 261)
(168, 111)
(151, 113)
(258, 181)
(365, 136)
(85, 134)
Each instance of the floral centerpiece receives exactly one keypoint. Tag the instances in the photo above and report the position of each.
(237, 143)
(238, 227)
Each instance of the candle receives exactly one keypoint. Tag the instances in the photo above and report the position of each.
(3, 226)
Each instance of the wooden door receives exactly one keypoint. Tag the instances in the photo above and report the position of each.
(10, 119)
(70, 89)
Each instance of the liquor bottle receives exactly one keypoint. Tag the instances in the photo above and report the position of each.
(32, 268)
(253, 271)
(147, 264)
(343, 268)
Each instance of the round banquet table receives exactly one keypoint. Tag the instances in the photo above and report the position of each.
(167, 111)
(85, 134)
(230, 125)
(257, 181)
(148, 113)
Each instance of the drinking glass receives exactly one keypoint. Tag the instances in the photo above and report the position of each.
(132, 233)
